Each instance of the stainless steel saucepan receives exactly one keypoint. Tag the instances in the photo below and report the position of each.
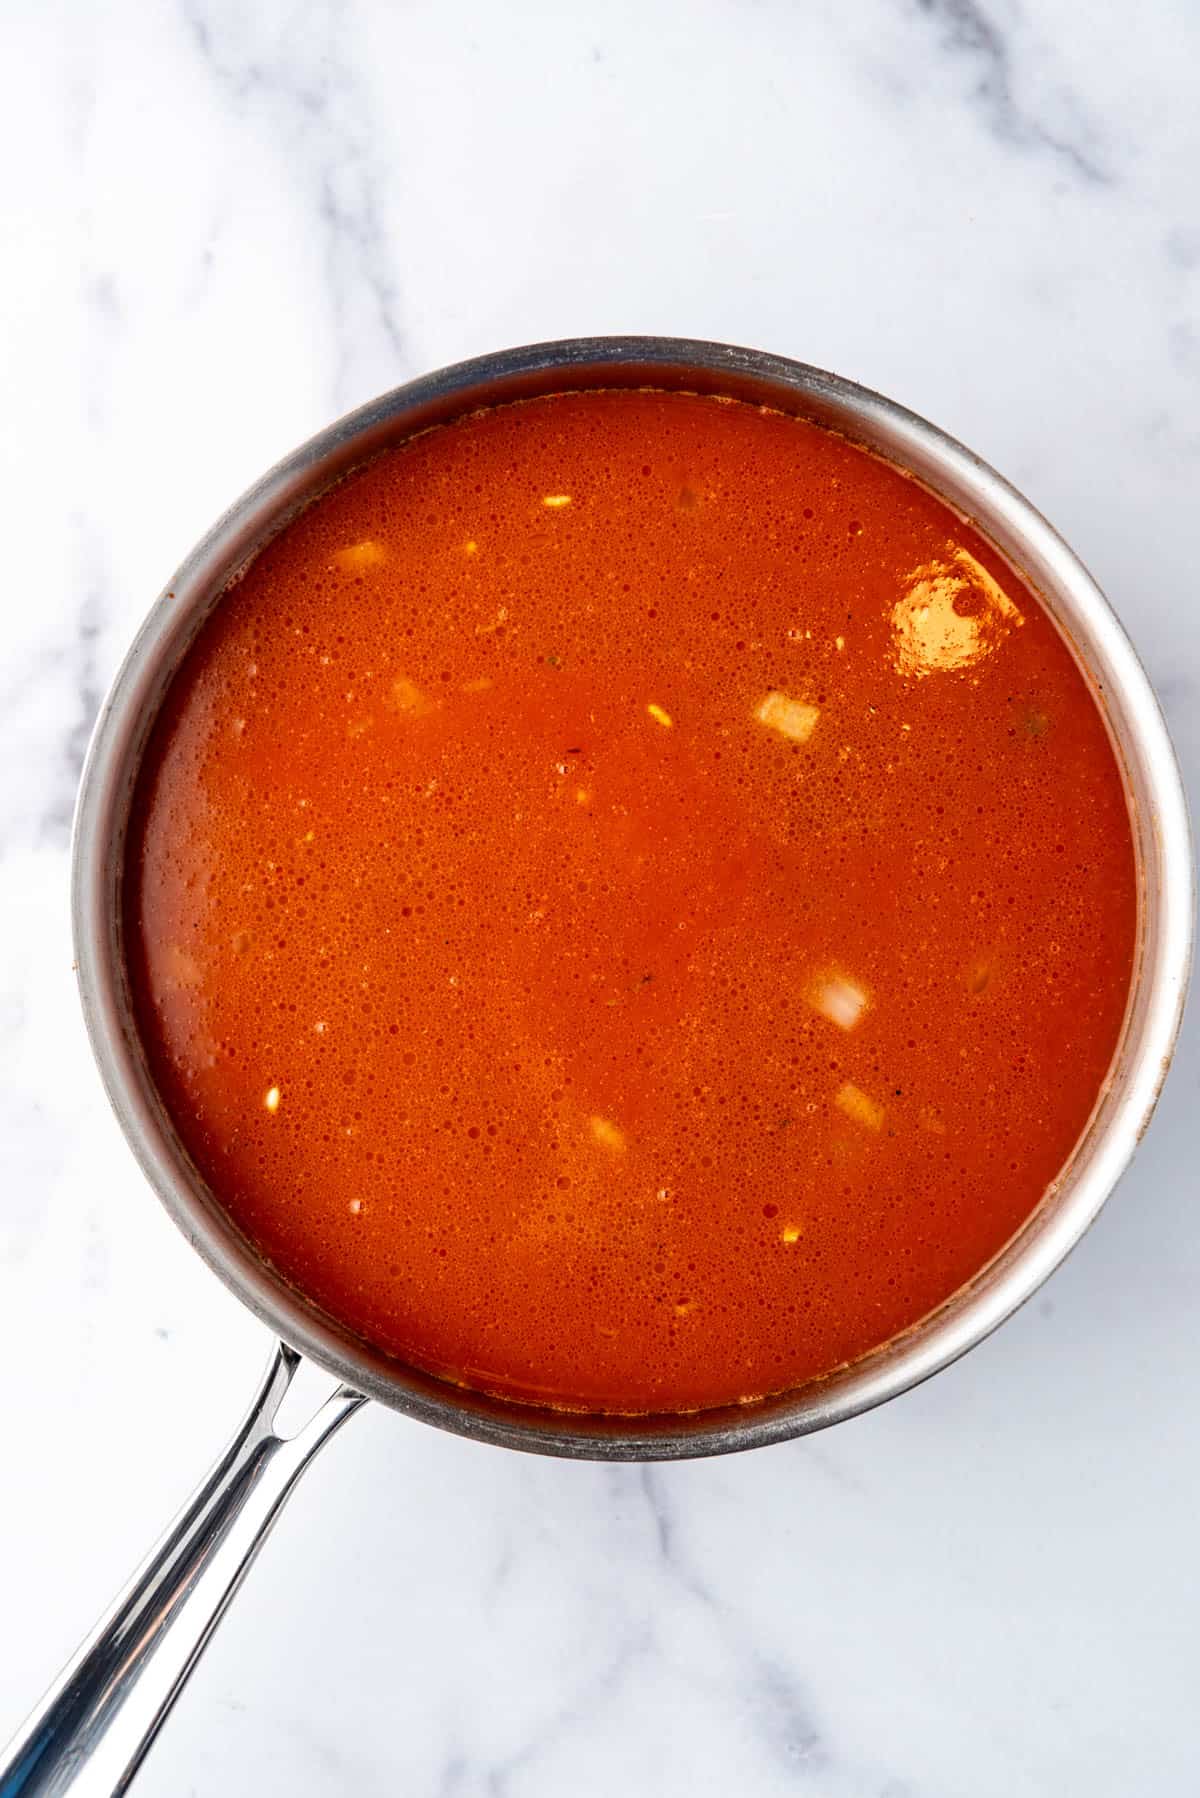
(93, 1728)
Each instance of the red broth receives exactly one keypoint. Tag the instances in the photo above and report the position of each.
(630, 902)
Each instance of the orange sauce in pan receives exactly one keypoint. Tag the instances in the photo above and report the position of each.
(630, 902)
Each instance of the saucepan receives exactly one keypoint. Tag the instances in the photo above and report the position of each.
(94, 1726)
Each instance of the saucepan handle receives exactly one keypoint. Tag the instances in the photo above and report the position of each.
(93, 1727)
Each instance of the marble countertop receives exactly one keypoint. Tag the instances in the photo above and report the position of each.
(226, 224)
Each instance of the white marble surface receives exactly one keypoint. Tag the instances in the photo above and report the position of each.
(227, 222)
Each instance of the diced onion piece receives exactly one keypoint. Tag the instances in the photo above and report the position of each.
(790, 1234)
(405, 696)
(854, 1102)
(607, 1134)
(837, 998)
(660, 716)
(271, 1098)
(790, 717)
(180, 968)
(357, 556)
(556, 501)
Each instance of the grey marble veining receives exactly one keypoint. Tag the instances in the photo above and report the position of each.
(1002, 54)
(290, 79)
(225, 224)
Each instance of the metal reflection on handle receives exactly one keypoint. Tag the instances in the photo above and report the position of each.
(92, 1729)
